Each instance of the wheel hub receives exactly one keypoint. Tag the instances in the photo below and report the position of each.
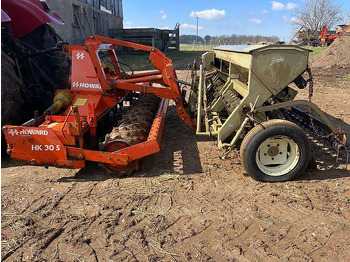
(273, 151)
(277, 155)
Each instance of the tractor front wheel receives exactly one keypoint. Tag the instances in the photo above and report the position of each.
(275, 151)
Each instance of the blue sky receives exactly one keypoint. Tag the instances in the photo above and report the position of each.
(217, 17)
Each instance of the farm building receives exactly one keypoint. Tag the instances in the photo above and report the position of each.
(87, 17)
(105, 17)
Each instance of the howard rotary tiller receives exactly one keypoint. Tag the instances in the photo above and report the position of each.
(67, 134)
(243, 96)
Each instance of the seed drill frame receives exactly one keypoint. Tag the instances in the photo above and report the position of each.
(255, 80)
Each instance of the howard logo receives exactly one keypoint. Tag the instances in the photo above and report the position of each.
(86, 85)
(14, 132)
(80, 55)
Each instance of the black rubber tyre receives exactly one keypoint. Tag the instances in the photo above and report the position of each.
(41, 74)
(275, 151)
(11, 100)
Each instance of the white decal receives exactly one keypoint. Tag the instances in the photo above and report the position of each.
(276, 59)
(36, 148)
(52, 125)
(34, 132)
(86, 85)
(49, 147)
(13, 132)
(80, 55)
(46, 148)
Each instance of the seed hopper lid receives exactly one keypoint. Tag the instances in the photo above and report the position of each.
(248, 49)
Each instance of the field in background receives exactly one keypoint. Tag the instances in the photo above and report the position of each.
(140, 62)
(181, 59)
(188, 47)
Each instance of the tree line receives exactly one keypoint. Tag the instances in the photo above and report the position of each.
(233, 39)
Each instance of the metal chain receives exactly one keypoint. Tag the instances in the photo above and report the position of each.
(228, 150)
(311, 90)
(310, 82)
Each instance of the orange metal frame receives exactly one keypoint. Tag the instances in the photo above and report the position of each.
(60, 140)
(43, 145)
(164, 75)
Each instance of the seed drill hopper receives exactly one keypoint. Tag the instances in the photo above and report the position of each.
(242, 96)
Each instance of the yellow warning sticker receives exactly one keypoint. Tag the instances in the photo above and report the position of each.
(80, 102)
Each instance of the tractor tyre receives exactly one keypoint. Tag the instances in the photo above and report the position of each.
(275, 151)
(41, 74)
(11, 99)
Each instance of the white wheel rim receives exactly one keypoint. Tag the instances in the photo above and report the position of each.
(277, 155)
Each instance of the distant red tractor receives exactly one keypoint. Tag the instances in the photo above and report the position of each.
(327, 39)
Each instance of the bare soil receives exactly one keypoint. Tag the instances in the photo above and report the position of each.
(185, 204)
(337, 55)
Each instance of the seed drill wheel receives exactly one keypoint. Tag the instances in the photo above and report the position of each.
(115, 169)
(275, 151)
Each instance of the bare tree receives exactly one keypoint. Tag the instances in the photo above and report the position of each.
(315, 14)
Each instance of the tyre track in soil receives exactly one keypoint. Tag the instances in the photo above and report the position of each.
(207, 210)
(41, 209)
(288, 219)
(298, 212)
(76, 230)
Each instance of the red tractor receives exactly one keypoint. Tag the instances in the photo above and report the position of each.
(327, 39)
(30, 66)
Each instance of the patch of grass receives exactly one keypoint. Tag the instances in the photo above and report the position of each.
(181, 59)
(347, 77)
(140, 62)
(188, 47)
(137, 62)
(316, 50)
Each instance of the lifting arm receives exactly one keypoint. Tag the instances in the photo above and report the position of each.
(165, 74)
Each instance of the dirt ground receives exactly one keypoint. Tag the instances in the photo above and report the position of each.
(337, 55)
(211, 211)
